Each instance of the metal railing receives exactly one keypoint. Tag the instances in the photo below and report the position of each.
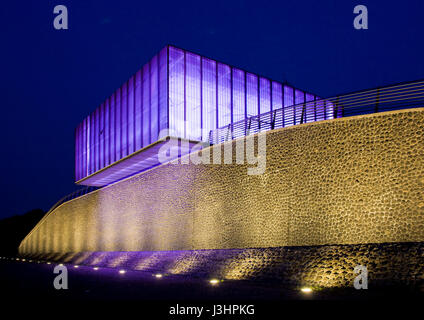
(73, 195)
(399, 96)
(66, 198)
(393, 97)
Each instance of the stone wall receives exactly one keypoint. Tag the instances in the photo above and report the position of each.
(388, 264)
(353, 180)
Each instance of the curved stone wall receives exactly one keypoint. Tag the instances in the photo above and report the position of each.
(352, 180)
(388, 264)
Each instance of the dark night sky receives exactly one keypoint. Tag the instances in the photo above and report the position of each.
(50, 79)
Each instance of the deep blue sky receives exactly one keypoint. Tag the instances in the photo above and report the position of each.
(50, 79)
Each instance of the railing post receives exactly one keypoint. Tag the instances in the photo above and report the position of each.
(248, 128)
(302, 116)
(228, 131)
(273, 117)
(325, 109)
(335, 109)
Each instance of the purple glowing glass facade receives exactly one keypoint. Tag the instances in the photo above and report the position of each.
(184, 93)
(129, 120)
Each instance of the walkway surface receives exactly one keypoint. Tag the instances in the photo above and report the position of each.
(30, 283)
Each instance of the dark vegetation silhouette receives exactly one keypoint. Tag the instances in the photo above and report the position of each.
(14, 229)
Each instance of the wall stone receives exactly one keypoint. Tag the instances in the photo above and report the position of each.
(388, 264)
(353, 180)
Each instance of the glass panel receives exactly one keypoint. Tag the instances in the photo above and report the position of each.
(176, 92)
(130, 108)
(238, 95)
(77, 152)
(81, 151)
(310, 97)
(92, 154)
(96, 140)
(265, 101)
(252, 95)
(112, 128)
(154, 99)
(102, 136)
(85, 146)
(208, 97)
(163, 90)
(300, 98)
(277, 92)
(146, 105)
(118, 125)
(310, 108)
(193, 126)
(224, 95)
(288, 101)
(107, 132)
(124, 120)
(277, 104)
(138, 111)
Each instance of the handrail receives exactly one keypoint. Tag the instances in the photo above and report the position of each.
(73, 195)
(393, 97)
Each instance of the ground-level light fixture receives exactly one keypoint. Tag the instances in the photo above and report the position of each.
(213, 281)
(122, 271)
(306, 290)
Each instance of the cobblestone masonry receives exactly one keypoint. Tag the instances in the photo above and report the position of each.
(344, 181)
(388, 264)
(353, 180)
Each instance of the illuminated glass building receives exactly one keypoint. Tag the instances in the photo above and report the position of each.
(178, 94)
